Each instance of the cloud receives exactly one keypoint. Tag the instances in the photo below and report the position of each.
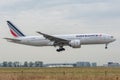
(83, 14)
(8, 2)
(77, 8)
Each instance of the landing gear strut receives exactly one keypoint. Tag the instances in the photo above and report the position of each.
(106, 46)
(60, 49)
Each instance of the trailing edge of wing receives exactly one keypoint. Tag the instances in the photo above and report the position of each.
(53, 38)
(12, 40)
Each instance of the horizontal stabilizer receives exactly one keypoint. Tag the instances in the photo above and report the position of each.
(12, 40)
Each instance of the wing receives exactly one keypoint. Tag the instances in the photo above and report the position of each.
(55, 39)
(12, 40)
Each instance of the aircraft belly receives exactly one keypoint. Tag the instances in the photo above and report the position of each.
(37, 43)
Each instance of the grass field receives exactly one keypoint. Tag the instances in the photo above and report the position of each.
(60, 73)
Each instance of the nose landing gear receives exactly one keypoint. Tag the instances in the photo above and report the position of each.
(106, 46)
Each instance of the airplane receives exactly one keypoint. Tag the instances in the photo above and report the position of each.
(72, 40)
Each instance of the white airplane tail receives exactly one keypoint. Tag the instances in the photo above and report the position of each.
(14, 30)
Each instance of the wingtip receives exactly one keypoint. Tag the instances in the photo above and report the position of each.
(38, 32)
(7, 21)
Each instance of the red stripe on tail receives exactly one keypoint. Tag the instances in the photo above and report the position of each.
(13, 33)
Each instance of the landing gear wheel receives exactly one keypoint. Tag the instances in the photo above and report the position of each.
(60, 49)
(63, 49)
(106, 46)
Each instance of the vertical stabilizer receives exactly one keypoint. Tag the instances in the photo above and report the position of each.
(14, 30)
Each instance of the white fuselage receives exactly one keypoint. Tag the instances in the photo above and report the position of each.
(72, 40)
(85, 39)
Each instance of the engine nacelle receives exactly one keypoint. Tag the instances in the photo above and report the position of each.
(75, 44)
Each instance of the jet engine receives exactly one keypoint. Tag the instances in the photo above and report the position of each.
(75, 43)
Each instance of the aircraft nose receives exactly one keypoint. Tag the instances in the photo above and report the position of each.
(113, 40)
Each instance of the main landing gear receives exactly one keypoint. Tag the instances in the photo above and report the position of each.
(60, 49)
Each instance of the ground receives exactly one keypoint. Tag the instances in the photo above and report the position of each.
(97, 73)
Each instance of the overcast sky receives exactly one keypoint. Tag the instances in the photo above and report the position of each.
(60, 17)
